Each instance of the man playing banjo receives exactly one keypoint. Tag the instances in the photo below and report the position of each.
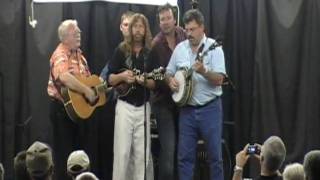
(202, 113)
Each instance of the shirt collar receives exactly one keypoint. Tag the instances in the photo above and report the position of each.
(203, 40)
(163, 37)
(68, 50)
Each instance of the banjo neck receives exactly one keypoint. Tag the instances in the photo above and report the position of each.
(201, 55)
(214, 45)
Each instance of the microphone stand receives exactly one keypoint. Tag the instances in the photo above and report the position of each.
(145, 116)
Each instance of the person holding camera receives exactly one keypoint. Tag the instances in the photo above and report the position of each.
(270, 155)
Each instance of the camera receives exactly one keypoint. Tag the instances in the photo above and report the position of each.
(253, 149)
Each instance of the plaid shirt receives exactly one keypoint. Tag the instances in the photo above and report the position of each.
(64, 60)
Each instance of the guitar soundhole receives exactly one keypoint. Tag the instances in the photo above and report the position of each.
(94, 102)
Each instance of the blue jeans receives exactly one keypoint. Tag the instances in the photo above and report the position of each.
(205, 121)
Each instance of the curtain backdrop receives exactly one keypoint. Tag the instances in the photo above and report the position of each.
(145, 2)
(271, 49)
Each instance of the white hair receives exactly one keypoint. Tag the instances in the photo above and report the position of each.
(64, 27)
(86, 176)
(294, 172)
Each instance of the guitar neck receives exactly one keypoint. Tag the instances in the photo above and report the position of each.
(102, 88)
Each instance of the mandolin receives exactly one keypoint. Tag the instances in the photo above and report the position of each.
(123, 89)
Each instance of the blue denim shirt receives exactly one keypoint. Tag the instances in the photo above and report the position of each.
(203, 90)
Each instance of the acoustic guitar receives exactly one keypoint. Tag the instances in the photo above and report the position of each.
(76, 105)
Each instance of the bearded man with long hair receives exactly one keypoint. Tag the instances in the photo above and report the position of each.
(132, 109)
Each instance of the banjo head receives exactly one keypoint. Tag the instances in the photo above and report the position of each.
(182, 96)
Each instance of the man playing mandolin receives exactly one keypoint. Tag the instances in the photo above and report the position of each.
(66, 62)
(129, 136)
(202, 114)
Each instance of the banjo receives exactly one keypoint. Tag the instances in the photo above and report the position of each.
(184, 77)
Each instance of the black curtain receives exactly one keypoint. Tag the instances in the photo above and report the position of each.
(286, 76)
(239, 48)
(271, 55)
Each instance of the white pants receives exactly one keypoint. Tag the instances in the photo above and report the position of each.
(128, 160)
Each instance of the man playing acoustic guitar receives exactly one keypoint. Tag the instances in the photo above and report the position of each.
(66, 62)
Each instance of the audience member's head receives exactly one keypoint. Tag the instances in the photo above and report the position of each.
(293, 172)
(273, 153)
(86, 176)
(19, 165)
(78, 162)
(1, 172)
(311, 165)
(39, 161)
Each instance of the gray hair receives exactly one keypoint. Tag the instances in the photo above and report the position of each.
(293, 172)
(1, 172)
(193, 14)
(273, 153)
(64, 27)
(311, 165)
